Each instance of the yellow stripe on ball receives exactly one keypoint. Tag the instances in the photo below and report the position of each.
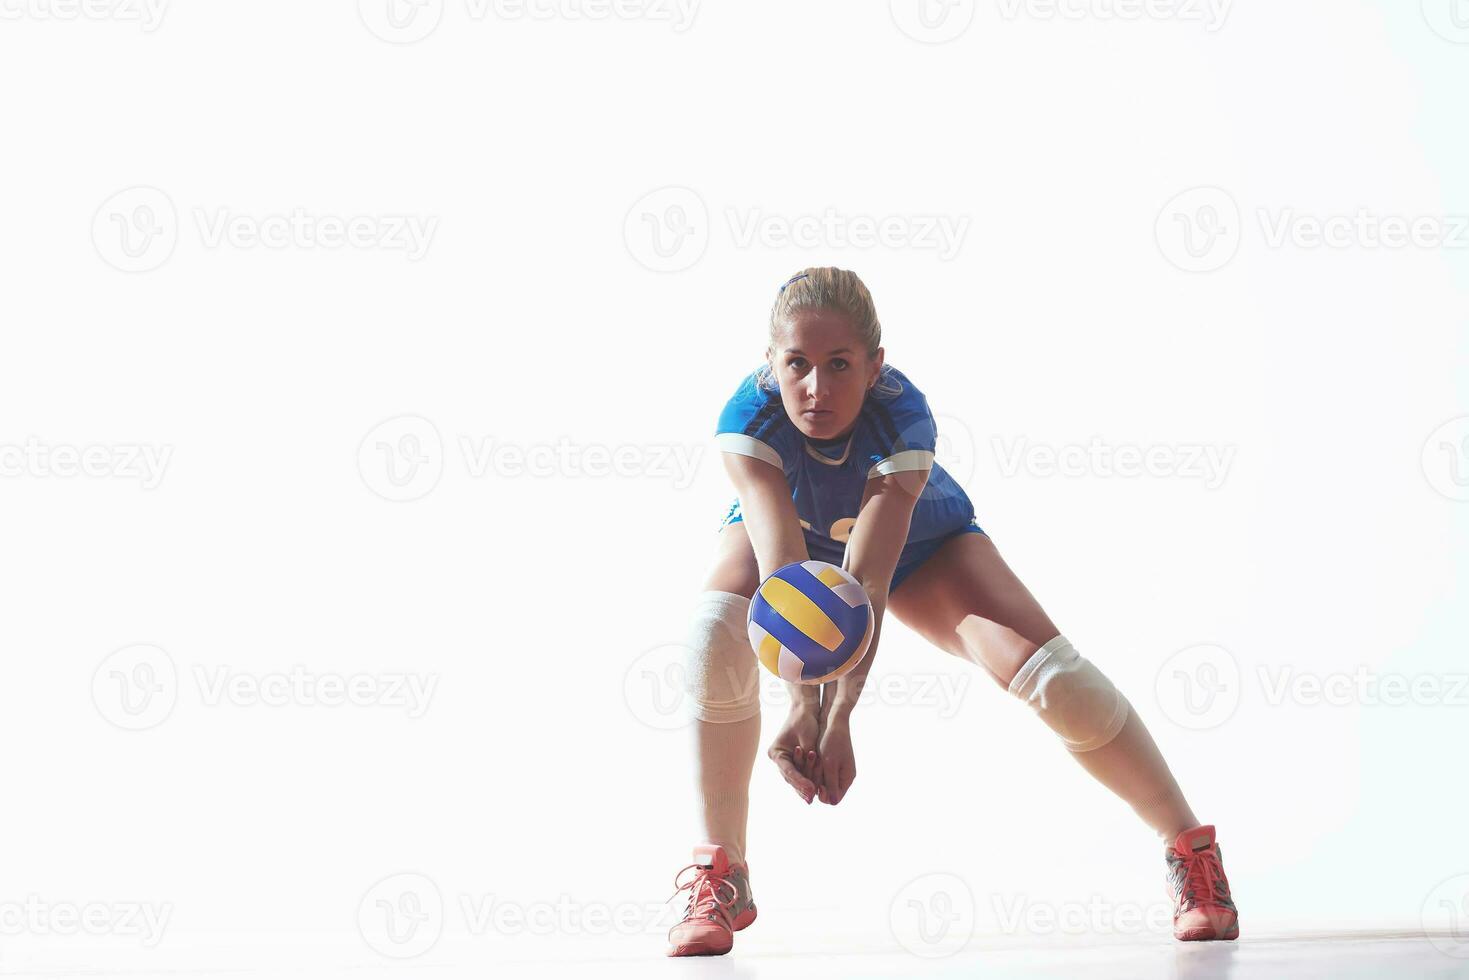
(832, 577)
(798, 610)
(769, 654)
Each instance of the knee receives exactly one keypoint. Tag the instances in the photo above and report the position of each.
(1069, 693)
(720, 673)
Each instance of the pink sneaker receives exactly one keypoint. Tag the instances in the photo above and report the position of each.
(1202, 905)
(720, 904)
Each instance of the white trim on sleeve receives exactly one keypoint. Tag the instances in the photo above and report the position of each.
(743, 445)
(908, 459)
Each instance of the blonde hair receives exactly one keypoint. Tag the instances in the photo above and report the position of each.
(837, 291)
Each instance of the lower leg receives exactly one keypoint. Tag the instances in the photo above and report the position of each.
(722, 679)
(1103, 733)
(1132, 767)
(724, 761)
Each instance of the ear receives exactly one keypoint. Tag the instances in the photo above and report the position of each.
(876, 367)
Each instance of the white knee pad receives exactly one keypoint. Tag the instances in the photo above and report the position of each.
(1071, 695)
(720, 673)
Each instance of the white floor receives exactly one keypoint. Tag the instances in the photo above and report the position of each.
(1395, 954)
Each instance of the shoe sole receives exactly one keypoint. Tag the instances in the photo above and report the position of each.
(699, 949)
(1208, 933)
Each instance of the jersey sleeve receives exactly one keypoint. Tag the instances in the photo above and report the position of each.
(754, 423)
(906, 434)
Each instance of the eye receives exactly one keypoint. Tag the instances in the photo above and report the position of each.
(796, 363)
(840, 363)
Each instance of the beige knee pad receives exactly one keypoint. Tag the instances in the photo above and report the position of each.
(720, 673)
(1071, 695)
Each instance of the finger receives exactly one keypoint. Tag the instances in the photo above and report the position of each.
(844, 783)
(793, 776)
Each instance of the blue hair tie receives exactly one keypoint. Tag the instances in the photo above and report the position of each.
(793, 279)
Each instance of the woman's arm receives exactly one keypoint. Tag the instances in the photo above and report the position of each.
(876, 541)
(775, 532)
(769, 512)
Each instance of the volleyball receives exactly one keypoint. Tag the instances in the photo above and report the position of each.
(810, 622)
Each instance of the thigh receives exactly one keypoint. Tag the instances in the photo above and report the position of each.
(734, 568)
(966, 601)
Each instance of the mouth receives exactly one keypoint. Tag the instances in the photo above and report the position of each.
(816, 413)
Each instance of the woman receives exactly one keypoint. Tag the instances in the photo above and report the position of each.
(831, 454)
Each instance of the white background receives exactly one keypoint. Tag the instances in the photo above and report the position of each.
(567, 297)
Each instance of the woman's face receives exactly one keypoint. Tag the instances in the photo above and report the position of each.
(823, 372)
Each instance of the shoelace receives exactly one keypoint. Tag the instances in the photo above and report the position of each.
(704, 895)
(1201, 873)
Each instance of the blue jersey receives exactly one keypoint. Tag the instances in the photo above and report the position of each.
(894, 432)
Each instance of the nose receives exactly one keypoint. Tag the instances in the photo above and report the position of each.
(818, 385)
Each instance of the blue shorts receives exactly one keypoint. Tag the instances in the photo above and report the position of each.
(914, 553)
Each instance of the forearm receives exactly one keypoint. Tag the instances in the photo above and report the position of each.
(770, 516)
(804, 697)
(840, 696)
